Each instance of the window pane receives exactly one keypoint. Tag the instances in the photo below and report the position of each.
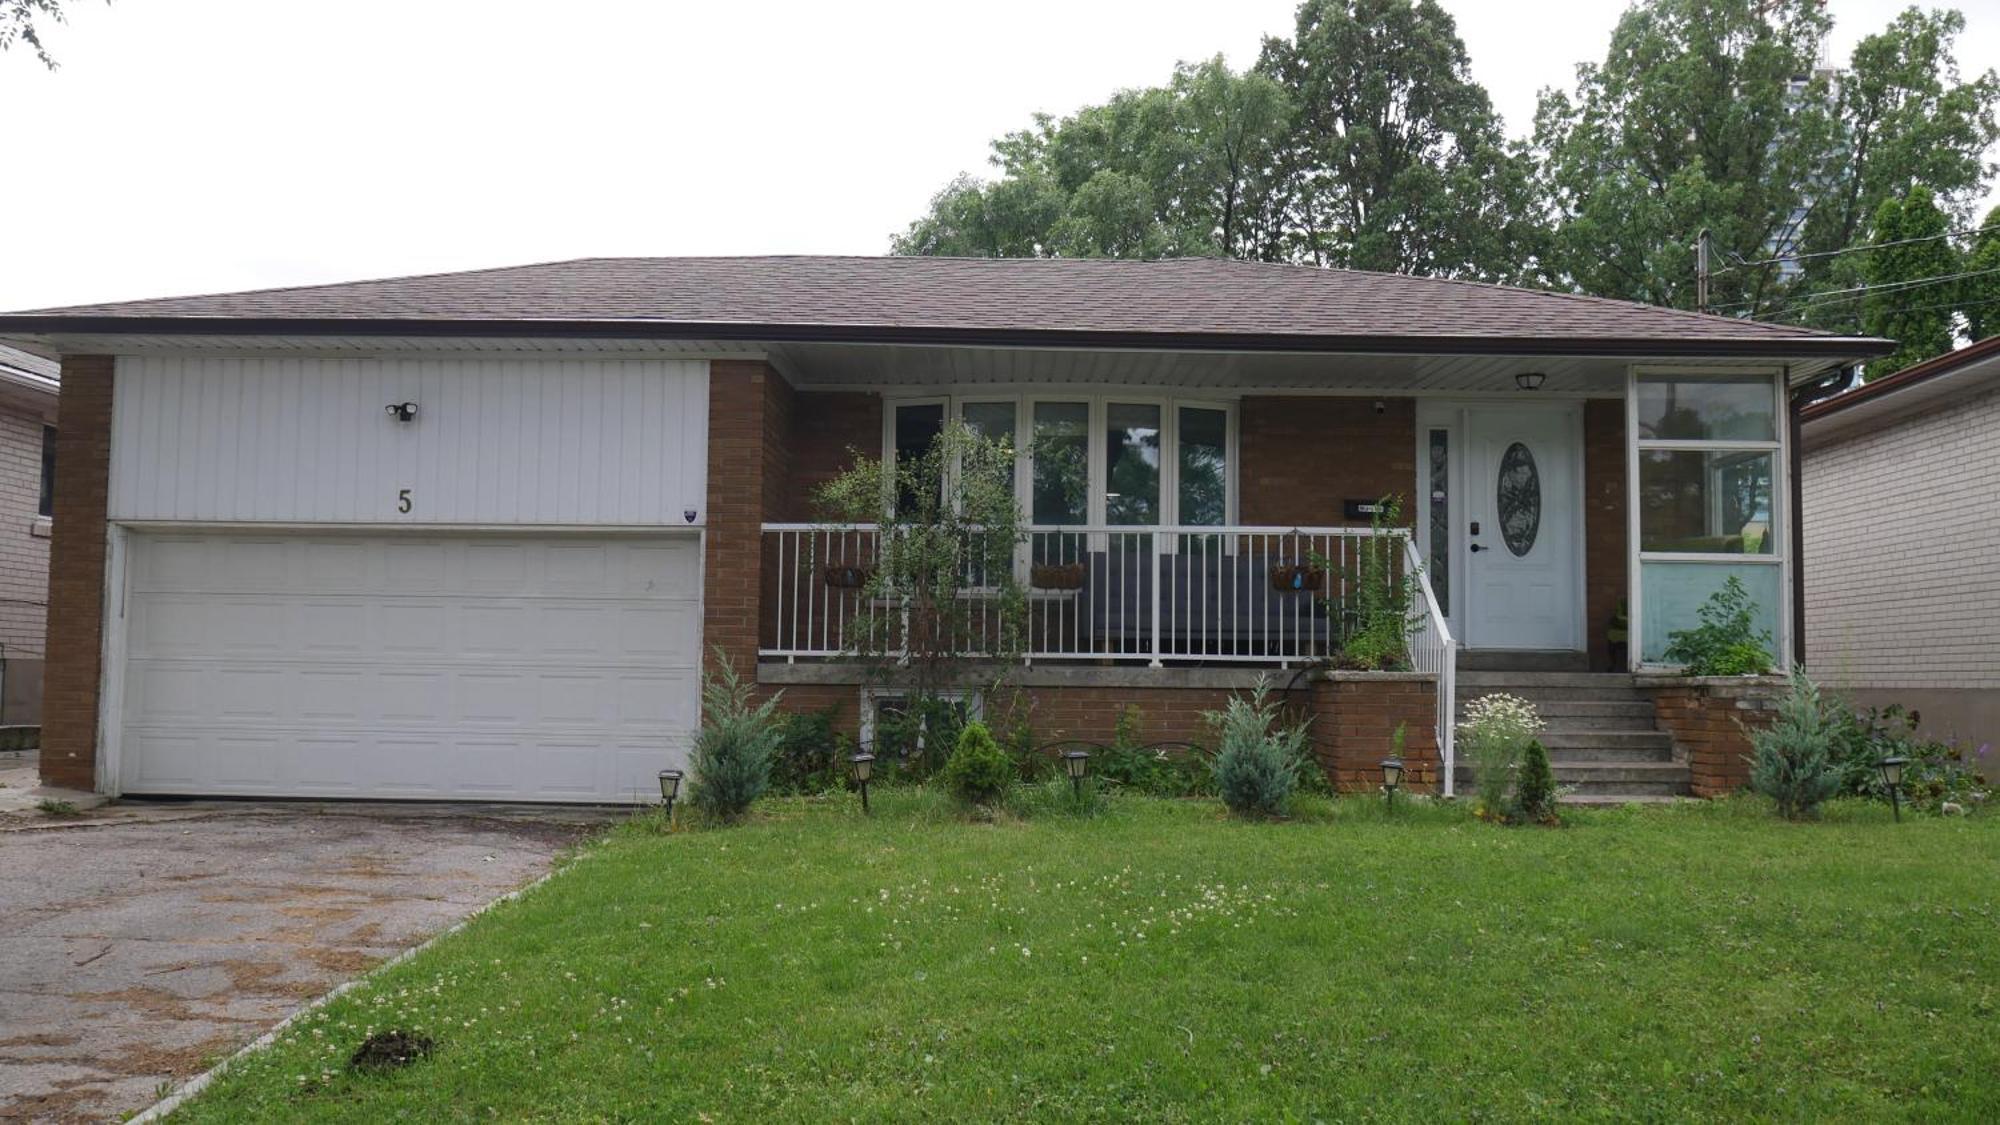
(1132, 467)
(1204, 467)
(48, 507)
(1671, 596)
(917, 429)
(1706, 503)
(1439, 564)
(1695, 409)
(1062, 463)
(993, 421)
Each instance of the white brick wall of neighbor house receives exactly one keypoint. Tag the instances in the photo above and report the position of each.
(27, 404)
(1902, 533)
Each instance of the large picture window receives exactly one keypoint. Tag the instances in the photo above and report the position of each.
(1108, 460)
(1708, 487)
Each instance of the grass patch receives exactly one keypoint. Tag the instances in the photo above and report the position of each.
(1158, 960)
(61, 810)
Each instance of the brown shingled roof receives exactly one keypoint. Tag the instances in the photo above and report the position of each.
(947, 298)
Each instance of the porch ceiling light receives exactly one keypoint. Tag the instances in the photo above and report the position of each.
(1529, 380)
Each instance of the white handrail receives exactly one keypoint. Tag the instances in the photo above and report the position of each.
(1431, 642)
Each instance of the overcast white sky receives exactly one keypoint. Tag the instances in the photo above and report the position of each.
(201, 145)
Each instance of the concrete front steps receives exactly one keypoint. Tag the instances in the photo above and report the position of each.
(1602, 739)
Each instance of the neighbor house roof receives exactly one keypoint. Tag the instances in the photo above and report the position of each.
(1935, 383)
(25, 369)
(1202, 303)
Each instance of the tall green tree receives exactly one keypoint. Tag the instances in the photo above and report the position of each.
(1696, 119)
(1904, 300)
(1979, 291)
(1396, 160)
(1178, 170)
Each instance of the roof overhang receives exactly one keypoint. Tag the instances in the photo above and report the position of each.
(1935, 383)
(44, 328)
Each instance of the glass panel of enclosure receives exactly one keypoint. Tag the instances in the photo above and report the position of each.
(1687, 408)
(1059, 484)
(1672, 594)
(917, 426)
(1202, 467)
(993, 421)
(1707, 491)
(1132, 448)
(1706, 502)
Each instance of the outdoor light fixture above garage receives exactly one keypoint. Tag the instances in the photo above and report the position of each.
(402, 411)
(1529, 380)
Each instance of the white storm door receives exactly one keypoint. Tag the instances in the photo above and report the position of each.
(1522, 587)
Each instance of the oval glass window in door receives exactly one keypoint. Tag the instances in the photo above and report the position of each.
(1518, 499)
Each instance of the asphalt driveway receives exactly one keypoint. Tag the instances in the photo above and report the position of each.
(135, 953)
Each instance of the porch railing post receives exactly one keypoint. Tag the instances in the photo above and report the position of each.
(1159, 573)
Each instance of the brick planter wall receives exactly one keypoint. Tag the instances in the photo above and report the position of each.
(1711, 719)
(1355, 715)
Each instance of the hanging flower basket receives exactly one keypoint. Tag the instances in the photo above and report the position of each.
(1056, 576)
(1297, 578)
(847, 577)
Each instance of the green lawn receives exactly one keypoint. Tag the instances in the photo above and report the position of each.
(1161, 962)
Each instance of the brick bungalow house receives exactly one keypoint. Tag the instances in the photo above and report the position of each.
(1902, 609)
(27, 476)
(467, 535)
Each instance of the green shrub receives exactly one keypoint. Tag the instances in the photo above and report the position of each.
(812, 755)
(1382, 601)
(735, 746)
(1935, 773)
(1257, 760)
(1535, 787)
(1793, 763)
(978, 771)
(912, 743)
(1495, 734)
(1727, 642)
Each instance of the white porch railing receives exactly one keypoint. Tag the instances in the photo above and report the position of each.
(1213, 595)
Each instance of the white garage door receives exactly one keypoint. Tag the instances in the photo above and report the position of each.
(551, 668)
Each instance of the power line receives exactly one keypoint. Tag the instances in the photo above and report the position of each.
(1860, 292)
(1863, 248)
(1917, 308)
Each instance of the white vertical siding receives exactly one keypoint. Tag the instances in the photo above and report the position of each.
(1902, 531)
(607, 442)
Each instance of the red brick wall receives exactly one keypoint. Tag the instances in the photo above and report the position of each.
(1711, 725)
(1302, 456)
(746, 460)
(1604, 522)
(826, 430)
(1354, 724)
(72, 672)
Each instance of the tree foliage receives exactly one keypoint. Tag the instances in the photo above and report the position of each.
(1363, 141)
(1902, 303)
(22, 21)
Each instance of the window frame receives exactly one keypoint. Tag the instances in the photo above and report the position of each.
(1096, 403)
(1778, 448)
(46, 505)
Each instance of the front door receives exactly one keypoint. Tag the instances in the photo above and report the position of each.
(1521, 524)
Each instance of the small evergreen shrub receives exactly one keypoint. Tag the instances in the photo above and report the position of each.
(812, 755)
(978, 771)
(735, 746)
(1793, 763)
(1727, 642)
(1258, 758)
(1495, 734)
(1535, 787)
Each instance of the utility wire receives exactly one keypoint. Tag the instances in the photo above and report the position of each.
(1915, 308)
(1858, 292)
(1740, 263)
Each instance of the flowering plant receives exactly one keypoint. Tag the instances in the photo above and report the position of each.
(1495, 732)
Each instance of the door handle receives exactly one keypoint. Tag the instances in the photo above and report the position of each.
(1477, 547)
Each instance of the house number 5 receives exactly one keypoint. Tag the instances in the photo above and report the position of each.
(403, 500)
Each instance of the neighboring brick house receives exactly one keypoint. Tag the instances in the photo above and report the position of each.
(1902, 529)
(27, 460)
(473, 535)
